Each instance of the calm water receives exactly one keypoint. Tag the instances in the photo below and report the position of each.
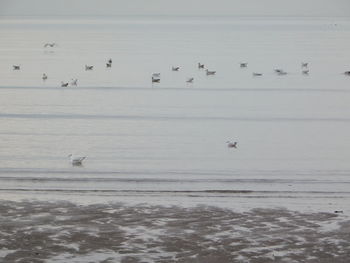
(166, 142)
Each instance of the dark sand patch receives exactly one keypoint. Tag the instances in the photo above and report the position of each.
(66, 232)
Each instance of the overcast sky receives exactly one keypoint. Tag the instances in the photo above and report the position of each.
(176, 7)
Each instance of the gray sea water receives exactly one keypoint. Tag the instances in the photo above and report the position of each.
(166, 142)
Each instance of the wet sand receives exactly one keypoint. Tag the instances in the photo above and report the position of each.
(39, 231)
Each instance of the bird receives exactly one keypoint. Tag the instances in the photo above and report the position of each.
(16, 67)
(305, 71)
(44, 77)
(208, 72)
(87, 67)
(155, 80)
(156, 75)
(255, 74)
(64, 84)
(280, 72)
(110, 61)
(304, 64)
(74, 82)
(108, 65)
(76, 160)
(50, 45)
(175, 68)
(231, 144)
(243, 65)
(190, 80)
(347, 73)
(200, 65)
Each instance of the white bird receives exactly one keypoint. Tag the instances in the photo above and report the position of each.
(64, 84)
(16, 67)
(243, 65)
(44, 77)
(175, 68)
(231, 144)
(190, 80)
(76, 160)
(74, 82)
(255, 74)
(208, 72)
(156, 75)
(87, 67)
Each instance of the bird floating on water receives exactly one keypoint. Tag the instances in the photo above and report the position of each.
(74, 82)
(255, 74)
(76, 160)
(304, 64)
(231, 144)
(243, 65)
(200, 65)
(44, 77)
(88, 67)
(64, 84)
(347, 73)
(305, 72)
(190, 80)
(208, 72)
(50, 45)
(16, 67)
(155, 80)
(175, 68)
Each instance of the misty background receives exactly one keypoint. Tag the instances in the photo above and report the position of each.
(179, 7)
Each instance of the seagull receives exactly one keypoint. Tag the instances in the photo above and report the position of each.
(255, 74)
(347, 73)
(50, 45)
(64, 84)
(280, 72)
(304, 64)
(156, 75)
(155, 80)
(76, 160)
(190, 80)
(175, 68)
(243, 65)
(305, 72)
(74, 82)
(200, 65)
(210, 72)
(16, 67)
(87, 67)
(108, 65)
(44, 77)
(110, 61)
(231, 144)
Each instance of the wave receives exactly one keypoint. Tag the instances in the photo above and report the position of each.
(185, 89)
(76, 116)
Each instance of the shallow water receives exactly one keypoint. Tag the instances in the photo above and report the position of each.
(166, 142)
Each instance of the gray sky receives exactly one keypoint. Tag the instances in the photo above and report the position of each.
(176, 7)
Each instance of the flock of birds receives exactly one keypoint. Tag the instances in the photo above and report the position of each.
(156, 77)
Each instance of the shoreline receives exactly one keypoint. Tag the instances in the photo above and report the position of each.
(61, 231)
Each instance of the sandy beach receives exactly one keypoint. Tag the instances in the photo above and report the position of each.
(37, 231)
